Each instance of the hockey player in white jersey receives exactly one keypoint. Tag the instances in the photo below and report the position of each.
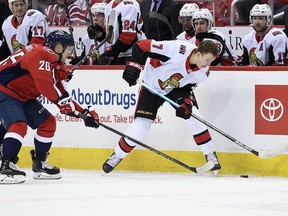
(171, 68)
(128, 22)
(98, 18)
(202, 22)
(185, 18)
(265, 44)
(23, 27)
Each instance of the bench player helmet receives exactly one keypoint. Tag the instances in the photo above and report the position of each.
(261, 10)
(203, 13)
(188, 9)
(59, 36)
(12, 1)
(98, 8)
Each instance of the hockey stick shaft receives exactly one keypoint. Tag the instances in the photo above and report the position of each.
(202, 169)
(164, 19)
(69, 25)
(200, 119)
(91, 22)
(94, 49)
(109, 35)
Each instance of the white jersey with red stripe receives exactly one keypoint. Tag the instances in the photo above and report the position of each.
(89, 45)
(176, 72)
(258, 47)
(225, 60)
(127, 23)
(184, 36)
(33, 29)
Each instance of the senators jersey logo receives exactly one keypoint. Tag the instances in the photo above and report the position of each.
(172, 82)
(253, 58)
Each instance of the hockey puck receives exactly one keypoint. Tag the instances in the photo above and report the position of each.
(244, 176)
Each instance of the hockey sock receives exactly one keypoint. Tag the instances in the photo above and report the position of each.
(42, 148)
(2, 133)
(11, 148)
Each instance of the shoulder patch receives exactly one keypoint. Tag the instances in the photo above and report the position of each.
(182, 49)
(30, 13)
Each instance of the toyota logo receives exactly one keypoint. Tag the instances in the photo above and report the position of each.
(271, 109)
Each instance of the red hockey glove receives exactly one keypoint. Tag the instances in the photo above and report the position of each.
(132, 72)
(185, 109)
(65, 104)
(92, 119)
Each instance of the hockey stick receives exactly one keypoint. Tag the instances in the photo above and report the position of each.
(264, 154)
(69, 25)
(202, 35)
(164, 19)
(91, 21)
(109, 35)
(206, 167)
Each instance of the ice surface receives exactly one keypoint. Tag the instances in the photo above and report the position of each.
(85, 193)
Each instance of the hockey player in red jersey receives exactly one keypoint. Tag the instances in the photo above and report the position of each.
(265, 44)
(23, 27)
(33, 71)
(171, 69)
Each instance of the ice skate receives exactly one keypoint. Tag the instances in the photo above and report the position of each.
(43, 170)
(10, 173)
(217, 166)
(111, 163)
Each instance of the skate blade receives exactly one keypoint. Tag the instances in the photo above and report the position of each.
(216, 172)
(15, 179)
(45, 176)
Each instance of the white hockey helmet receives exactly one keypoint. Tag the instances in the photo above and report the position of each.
(188, 9)
(261, 10)
(203, 13)
(12, 1)
(98, 8)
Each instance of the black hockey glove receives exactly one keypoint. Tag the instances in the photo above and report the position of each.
(96, 32)
(75, 60)
(132, 72)
(108, 56)
(185, 109)
(92, 118)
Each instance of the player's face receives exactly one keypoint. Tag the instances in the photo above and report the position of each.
(205, 60)
(259, 23)
(67, 52)
(98, 18)
(200, 25)
(186, 23)
(19, 9)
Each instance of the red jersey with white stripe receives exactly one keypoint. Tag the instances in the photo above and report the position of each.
(176, 72)
(23, 80)
(260, 49)
(57, 16)
(33, 29)
(128, 22)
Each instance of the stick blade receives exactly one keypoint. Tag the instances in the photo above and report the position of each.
(206, 167)
(112, 17)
